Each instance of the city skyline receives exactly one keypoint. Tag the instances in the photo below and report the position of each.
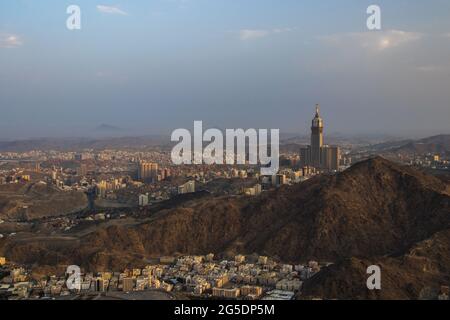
(217, 152)
(150, 67)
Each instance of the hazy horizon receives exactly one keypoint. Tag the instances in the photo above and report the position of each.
(149, 67)
(285, 136)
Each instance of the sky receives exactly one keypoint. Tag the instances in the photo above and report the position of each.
(149, 67)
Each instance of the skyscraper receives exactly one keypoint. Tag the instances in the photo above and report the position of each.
(319, 155)
(316, 139)
(147, 171)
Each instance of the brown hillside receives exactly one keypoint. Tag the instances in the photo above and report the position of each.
(373, 209)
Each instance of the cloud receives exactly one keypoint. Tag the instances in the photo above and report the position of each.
(428, 68)
(250, 34)
(247, 34)
(111, 10)
(8, 40)
(372, 40)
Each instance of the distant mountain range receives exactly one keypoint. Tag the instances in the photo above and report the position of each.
(434, 144)
(376, 212)
(74, 144)
(288, 143)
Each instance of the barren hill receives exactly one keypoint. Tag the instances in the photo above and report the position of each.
(34, 200)
(417, 274)
(374, 209)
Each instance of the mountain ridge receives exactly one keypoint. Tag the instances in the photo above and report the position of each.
(374, 211)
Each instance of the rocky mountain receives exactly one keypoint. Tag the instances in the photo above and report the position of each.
(374, 208)
(416, 274)
(374, 212)
(435, 144)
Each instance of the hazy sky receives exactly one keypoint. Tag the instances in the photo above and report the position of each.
(153, 66)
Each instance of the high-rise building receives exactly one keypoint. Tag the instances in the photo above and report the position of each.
(319, 155)
(330, 157)
(316, 138)
(147, 171)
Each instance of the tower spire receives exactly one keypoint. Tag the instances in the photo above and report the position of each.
(317, 110)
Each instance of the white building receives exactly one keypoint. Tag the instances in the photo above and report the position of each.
(143, 200)
(188, 187)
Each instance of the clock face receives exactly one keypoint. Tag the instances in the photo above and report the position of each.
(317, 122)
